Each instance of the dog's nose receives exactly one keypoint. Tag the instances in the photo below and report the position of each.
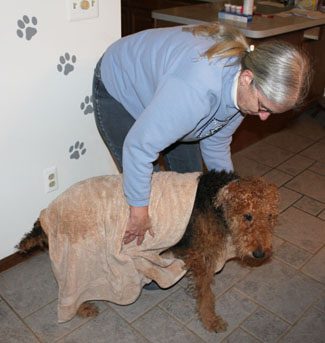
(259, 253)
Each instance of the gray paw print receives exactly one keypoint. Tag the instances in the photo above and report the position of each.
(87, 105)
(25, 28)
(77, 150)
(65, 64)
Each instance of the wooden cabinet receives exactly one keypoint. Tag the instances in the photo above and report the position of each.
(136, 14)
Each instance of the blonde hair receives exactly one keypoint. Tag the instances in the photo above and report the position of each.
(282, 72)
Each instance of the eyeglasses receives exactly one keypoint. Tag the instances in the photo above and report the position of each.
(260, 106)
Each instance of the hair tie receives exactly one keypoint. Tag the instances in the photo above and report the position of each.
(251, 48)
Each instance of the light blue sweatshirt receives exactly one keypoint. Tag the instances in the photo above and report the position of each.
(175, 94)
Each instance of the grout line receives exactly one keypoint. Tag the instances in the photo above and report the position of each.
(21, 319)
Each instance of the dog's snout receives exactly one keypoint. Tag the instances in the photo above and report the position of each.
(258, 253)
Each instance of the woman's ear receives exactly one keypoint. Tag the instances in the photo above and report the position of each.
(246, 77)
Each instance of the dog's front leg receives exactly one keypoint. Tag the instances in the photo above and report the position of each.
(202, 270)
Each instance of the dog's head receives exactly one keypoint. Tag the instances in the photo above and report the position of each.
(250, 208)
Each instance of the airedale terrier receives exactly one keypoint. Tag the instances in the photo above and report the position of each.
(231, 217)
(230, 214)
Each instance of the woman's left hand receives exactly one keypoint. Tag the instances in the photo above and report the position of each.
(138, 225)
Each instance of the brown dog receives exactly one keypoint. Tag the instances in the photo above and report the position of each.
(231, 217)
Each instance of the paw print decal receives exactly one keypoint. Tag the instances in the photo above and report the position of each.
(66, 63)
(26, 27)
(87, 105)
(77, 150)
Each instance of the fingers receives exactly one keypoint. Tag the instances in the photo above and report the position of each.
(151, 232)
(139, 236)
(128, 238)
(140, 239)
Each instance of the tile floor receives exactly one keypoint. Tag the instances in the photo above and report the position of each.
(282, 301)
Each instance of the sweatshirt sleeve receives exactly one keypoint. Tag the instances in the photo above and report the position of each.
(216, 148)
(174, 111)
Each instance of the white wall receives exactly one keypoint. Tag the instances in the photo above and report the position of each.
(41, 116)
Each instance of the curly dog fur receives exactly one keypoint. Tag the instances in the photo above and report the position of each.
(228, 213)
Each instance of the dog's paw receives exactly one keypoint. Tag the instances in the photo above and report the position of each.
(87, 309)
(216, 324)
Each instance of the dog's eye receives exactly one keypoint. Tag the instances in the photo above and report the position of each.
(248, 217)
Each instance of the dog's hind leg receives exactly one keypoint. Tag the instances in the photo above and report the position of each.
(36, 238)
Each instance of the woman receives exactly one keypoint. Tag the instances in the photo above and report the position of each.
(182, 92)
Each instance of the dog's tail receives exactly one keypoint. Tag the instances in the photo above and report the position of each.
(36, 238)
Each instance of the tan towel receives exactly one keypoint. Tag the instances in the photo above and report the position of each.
(86, 224)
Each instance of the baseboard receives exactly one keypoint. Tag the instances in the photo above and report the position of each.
(16, 258)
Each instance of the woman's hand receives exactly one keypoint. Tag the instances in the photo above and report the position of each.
(138, 225)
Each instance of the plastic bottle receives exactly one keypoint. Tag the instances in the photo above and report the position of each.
(248, 7)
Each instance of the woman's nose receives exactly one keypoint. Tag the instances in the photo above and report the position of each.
(264, 115)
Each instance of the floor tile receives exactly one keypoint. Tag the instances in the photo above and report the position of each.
(292, 255)
(108, 327)
(29, 285)
(311, 328)
(12, 329)
(265, 326)
(296, 164)
(158, 326)
(180, 305)
(45, 324)
(276, 243)
(301, 229)
(277, 177)
(310, 184)
(315, 267)
(287, 140)
(145, 302)
(287, 198)
(318, 167)
(307, 127)
(231, 273)
(281, 289)
(322, 215)
(233, 307)
(309, 205)
(267, 154)
(240, 336)
(246, 167)
(320, 305)
(315, 152)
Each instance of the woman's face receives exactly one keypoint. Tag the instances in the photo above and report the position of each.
(251, 101)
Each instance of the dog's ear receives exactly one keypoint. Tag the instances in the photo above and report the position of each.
(221, 196)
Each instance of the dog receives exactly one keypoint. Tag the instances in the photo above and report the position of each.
(231, 216)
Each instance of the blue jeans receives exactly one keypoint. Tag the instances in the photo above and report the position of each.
(114, 122)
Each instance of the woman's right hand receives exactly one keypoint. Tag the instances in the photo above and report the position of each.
(138, 224)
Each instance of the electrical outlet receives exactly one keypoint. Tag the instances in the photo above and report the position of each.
(50, 179)
(82, 9)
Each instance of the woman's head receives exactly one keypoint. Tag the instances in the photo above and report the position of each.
(275, 76)
(280, 72)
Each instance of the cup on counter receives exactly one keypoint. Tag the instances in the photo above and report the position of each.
(233, 8)
(227, 7)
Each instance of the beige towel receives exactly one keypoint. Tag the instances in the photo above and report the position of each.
(86, 224)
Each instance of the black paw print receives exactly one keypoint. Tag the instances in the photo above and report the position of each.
(77, 150)
(25, 29)
(65, 66)
(87, 105)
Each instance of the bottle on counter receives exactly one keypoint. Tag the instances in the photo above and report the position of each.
(248, 7)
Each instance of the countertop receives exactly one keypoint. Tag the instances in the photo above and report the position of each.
(260, 27)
